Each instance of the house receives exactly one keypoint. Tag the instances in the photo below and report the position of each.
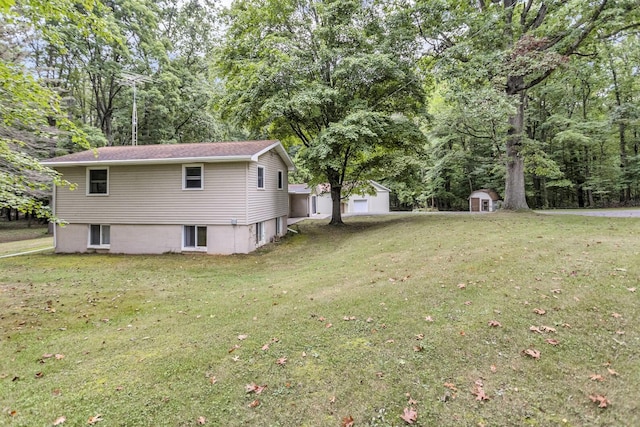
(483, 201)
(216, 198)
(304, 201)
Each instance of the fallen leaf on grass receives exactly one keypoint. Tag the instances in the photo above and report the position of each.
(556, 291)
(552, 341)
(418, 348)
(213, 380)
(478, 391)
(265, 347)
(234, 348)
(59, 421)
(409, 415)
(243, 337)
(428, 319)
(547, 329)
(451, 386)
(612, 372)
(328, 325)
(493, 369)
(347, 421)
(420, 337)
(494, 323)
(539, 311)
(461, 286)
(616, 315)
(13, 413)
(601, 400)
(39, 374)
(254, 404)
(202, 421)
(348, 318)
(59, 356)
(631, 289)
(95, 419)
(467, 303)
(532, 352)
(535, 329)
(255, 388)
(281, 361)
(596, 377)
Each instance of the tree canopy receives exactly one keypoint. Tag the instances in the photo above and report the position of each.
(337, 78)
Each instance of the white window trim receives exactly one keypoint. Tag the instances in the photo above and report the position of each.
(280, 180)
(193, 248)
(184, 176)
(101, 245)
(264, 178)
(88, 181)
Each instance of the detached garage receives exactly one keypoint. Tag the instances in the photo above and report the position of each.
(304, 201)
(483, 201)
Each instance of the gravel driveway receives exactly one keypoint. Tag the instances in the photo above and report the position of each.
(614, 213)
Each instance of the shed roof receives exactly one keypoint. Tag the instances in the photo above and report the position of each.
(208, 152)
(491, 193)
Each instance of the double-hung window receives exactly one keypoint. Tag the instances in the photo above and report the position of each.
(192, 177)
(99, 236)
(278, 226)
(98, 181)
(261, 177)
(195, 237)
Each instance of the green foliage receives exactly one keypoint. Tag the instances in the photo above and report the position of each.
(26, 107)
(338, 76)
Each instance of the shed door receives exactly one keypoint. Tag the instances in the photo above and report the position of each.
(360, 206)
(475, 204)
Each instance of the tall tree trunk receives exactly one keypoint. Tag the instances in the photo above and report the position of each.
(514, 194)
(336, 197)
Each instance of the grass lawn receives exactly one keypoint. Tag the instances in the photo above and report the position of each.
(358, 322)
(13, 231)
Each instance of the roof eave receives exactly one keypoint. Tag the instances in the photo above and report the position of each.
(280, 149)
(214, 159)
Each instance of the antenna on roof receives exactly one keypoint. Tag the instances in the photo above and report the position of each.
(132, 79)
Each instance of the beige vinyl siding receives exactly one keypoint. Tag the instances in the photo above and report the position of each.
(268, 203)
(153, 194)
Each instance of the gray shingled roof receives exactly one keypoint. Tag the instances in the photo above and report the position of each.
(172, 153)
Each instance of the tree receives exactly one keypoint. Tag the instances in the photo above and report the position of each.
(517, 45)
(30, 113)
(336, 77)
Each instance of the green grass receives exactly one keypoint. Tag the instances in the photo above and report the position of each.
(12, 231)
(142, 336)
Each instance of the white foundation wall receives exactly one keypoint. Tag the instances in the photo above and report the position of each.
(159, 239)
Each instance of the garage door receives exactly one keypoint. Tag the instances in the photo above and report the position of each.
(360, 206)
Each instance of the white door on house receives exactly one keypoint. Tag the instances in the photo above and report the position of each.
(360, 206)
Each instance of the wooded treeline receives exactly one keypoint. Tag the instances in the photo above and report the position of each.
(537, 99)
